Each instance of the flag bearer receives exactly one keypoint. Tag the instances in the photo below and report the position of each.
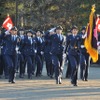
(84, 57)
(9, 51)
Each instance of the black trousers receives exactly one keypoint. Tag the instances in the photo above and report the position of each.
(57, 61)
(39, 64)
(10, 61)
(49, 67)
(84, 63)
(74, 61)
(30, 64)
(2, 65)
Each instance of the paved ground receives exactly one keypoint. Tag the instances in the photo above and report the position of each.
(45, 88)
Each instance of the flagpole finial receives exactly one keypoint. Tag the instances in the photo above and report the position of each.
(8, 15)
(93, 7)
(98, 15)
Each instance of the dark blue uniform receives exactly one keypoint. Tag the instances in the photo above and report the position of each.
(73, 54)
(68, 72)
(9, 54)
(29, 52)
(57, 55)
(2, 64)
(39, 55)
(21, 57)
(48, 60)
(84, 59)
(3, 67)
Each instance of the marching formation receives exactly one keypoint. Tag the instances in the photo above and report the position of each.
(27, 48)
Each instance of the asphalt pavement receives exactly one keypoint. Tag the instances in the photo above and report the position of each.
(44, 88)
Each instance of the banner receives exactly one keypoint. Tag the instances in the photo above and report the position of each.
(92, 36)
(7, 24)
(98, 24)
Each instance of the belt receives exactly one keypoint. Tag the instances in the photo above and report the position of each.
(75, 47)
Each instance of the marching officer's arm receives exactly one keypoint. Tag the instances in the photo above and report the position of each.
(52, 38)
(17, 43)
(46, 42)
(79, 42)
(35, 46)
(22, 44)
(82, 38)
(42, 47)
(4, 34)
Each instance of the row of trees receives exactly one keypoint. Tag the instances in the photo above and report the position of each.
(44, 14)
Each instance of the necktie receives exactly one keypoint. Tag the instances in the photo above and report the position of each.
(40, 40)
(30, 40)
(12, 38)
(59, 36)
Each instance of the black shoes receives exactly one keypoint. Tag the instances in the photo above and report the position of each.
(84, 79)
(30, 76)
(58, 81)
(74, 84)
(51, 77)
(21, 76)
(13, 82)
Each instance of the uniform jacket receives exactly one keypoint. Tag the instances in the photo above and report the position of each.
(29, 47)
(73, 44)
(9, 45)
(56, 44)
(47, 44)
(39, 45)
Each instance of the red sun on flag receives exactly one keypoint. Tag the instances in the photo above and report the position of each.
(7, 24)
(98, 24)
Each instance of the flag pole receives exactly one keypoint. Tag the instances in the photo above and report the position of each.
(8, 15)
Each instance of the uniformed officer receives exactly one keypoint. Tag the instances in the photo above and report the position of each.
(84, 57)
(34, 59)
(1, 64)
(39, 55)
(98, 44)
(68, 71)
(9, 52)
(47, 48)
(73, 42)
(29, 52)
(21, 54)
(17, 52)
(57, 52)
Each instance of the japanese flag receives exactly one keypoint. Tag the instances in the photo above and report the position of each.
(7, 24)
(98, 24)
